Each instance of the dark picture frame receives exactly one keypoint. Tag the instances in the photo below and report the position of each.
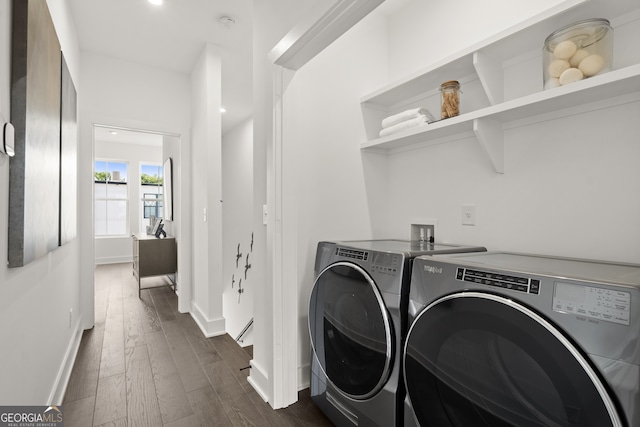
(167, 190)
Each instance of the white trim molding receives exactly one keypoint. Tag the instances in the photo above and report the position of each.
(59, 389)
(259, 380)
(320, 27)
(209, 327)
(325, 22)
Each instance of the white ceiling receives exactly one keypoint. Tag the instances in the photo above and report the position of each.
(171, 37)
(126, 136)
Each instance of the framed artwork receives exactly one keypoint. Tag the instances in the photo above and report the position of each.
(68, 157)
(34, 171)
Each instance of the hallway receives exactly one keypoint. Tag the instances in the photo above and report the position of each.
(144, 363)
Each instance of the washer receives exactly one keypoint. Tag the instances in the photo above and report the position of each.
(504, 339)
(357, 321)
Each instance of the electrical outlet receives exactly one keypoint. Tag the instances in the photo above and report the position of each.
(468, 214)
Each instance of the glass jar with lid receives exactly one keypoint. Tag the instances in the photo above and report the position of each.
(577, 51)
(450, 99)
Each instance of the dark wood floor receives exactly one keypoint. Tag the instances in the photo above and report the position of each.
(146, 364)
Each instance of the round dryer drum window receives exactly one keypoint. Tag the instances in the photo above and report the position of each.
(475, 359)
(350, 330)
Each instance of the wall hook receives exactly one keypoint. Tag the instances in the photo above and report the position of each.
(246, 267)
(238, 255)
(240, 290)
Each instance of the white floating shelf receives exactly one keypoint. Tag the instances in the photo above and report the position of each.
(487, 60)
(609, 85)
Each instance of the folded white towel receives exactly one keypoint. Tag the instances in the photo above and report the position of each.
(405, 115)
(411, 123)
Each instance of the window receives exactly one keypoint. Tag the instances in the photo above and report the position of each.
(111, 198)
(151, 190)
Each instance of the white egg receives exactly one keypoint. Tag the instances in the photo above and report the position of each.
(565, 49)
(557, 67)
(578, 57)
(591, 65)
(569, 76)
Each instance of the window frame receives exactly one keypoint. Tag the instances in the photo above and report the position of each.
(158, 200)
(106, 199)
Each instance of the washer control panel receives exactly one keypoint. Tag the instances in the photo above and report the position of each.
(595, 303)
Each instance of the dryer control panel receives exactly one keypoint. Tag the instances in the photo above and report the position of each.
(516, 283)
(352, 253)
(381, 262)
(386, 263)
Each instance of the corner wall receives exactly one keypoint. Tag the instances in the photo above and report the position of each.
(271, 21)
(207, 192)
(238, 235)
(339, 190)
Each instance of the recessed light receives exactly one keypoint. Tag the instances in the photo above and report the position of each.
(156, 2)
(223, 110)
(113, 132)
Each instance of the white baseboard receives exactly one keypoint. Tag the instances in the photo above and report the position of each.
(113, 260)
(209, 327)
(304, 376)
(259, 380)
(64, 373)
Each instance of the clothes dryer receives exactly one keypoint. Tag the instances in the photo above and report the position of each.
(357, 321)
(503, 339)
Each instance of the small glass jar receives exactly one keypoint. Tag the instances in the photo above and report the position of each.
(577, 51)
(450, 99)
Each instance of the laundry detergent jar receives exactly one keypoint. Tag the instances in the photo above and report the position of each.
(577, 51)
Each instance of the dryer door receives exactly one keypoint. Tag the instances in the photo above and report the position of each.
(476, 359)
(350, 330)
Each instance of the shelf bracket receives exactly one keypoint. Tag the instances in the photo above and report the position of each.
(491, 76)
(491, 136)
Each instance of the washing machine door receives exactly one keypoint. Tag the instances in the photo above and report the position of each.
(350, 330)
(475, 359)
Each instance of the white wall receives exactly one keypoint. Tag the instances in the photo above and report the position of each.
(237, 210)
(38, 338)
(207, 192)
(271, 21)
(421, 32)
(124, 94)
(569, 177)
(339, 190)
(180, 226)
(570, 186)
(120, 249)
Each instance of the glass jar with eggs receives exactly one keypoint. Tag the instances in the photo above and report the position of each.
(577, 51)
